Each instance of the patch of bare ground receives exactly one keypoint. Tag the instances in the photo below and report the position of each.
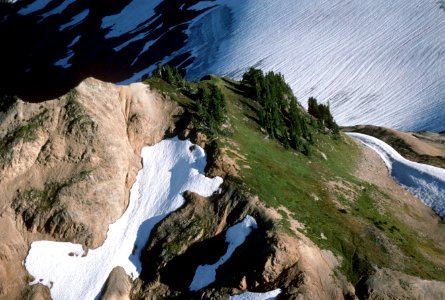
(228, 161)
(283, 212)
(343, 192)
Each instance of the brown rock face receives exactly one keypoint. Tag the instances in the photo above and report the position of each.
(389, 284)
(66, 166)
(195, 235)
(118, 286)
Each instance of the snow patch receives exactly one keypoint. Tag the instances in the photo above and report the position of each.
(33, 7)
(169, 169)
(133, 15)
(64, 62)
(75, 20)
(424, 181)
(138, 36)
(59, 9)
(235, 236)
(257, 296)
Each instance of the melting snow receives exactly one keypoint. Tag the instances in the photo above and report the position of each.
(235, 236)
(169, 168)
(75, 20)
(257, 296)
(59, 9)
(64, 62)
(134, 14)
(34, 6)
(424, 181)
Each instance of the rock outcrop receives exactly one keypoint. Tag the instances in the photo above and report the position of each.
(388, 284)
(195, 235)
(67, 166)
(118, 286)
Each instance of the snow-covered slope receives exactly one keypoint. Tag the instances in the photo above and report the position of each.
(424, 181)
(377, 62)
(169, 168)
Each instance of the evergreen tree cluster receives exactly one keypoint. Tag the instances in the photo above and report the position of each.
(323, 115)
(169, 74)
(280, 114)
(211, 108)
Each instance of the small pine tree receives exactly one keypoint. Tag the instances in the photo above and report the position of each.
(313, 107)
(323, 115)
(168, 73)
(211, 107)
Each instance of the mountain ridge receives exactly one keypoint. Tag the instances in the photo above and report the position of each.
(329, 194)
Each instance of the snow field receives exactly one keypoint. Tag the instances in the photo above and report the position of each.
(376, 62)
(424, 181)
(169, 168)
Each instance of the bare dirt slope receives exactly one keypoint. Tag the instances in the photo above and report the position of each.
(67, 166)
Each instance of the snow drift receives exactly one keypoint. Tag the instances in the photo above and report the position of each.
(169, 168)
(424, 181)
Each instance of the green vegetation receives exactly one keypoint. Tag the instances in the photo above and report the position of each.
(46, 198)
(210, 108)
(280, 114)
(78, 121)
(323, 115)
(168, 73)
(43, 199)
(204, 100)
(25, 132)
(319, 188)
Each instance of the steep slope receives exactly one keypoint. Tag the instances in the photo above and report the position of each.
(320, 225)
(373, 232)
(169, 169)
(70, 162)
(377, 62)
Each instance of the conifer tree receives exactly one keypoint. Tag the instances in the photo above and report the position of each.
(211, 107)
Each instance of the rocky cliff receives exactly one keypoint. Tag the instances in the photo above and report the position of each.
(67, 166)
